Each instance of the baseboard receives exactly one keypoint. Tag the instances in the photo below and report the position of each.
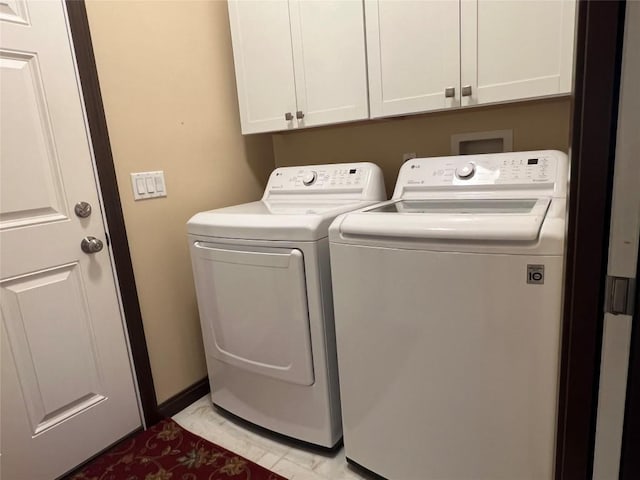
(183, 399)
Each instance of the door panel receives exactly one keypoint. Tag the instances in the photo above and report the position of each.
(329, 60)
(516, 50)
(58, 373)
(38, 167)
(67, 385)
(263, 61)
(254, 302)
(413, 53)
(14, 11)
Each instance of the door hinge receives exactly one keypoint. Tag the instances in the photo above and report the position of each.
(620, 295)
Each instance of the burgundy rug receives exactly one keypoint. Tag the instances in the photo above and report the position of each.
(168, 452)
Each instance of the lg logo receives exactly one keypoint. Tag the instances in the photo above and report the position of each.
(535, 274)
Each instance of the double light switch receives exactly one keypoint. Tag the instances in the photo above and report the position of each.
(148, 185)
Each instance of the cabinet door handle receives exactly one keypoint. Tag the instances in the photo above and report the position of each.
(450, 92)
(466, 91)
(288, 116)
(299, 115)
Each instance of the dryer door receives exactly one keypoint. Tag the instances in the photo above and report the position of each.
(254, 302)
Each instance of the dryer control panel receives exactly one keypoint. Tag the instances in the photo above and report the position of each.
(318, 177)
(539, 170)
(361, 179)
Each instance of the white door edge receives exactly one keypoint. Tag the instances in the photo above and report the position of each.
(109, 244)
(622, 259)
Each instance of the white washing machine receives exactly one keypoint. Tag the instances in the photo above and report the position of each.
(448, 319)
(263, 285)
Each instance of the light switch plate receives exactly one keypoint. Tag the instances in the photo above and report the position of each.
(148, 185)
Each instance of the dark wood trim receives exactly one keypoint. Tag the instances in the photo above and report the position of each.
(595, 114)
(85, 59)
(598, 59)
(630, 460)
(183, 399)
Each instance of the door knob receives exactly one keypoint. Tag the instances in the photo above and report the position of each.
(91, 245)
(82, 209)
(299, 115)
(288, 116)
(466, 91)
(449, 92)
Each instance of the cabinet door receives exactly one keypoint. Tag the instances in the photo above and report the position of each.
(517, 49)
(263, 60)
(413, 53)
(329, 61)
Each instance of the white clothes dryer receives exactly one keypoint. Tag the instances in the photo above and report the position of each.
(263, 286)
(448, 319)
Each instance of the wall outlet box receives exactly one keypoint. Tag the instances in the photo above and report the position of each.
(148, 185)
(496, 141)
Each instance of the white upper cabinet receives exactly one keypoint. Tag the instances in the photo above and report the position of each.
(426, 55)
(298, 63)
(413, 53)
(513, 50)
(264, 65)
(330, 61)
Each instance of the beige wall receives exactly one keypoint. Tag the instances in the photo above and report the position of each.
(542, 124)
(166, 73)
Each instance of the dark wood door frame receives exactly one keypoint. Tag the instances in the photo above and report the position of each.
(595, 115)
(88, 73)
(600, 27)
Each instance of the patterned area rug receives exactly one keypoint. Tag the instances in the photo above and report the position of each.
(168, 452)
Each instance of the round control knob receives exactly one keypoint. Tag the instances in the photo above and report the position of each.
(466, 171)
(309, 178)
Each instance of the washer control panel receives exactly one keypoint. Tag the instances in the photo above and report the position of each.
(539, 169)
(481, 170)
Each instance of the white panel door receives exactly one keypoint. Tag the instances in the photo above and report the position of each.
(413, 53)
(67, 386)
(512, 50)
(329, 60)
(261, 39)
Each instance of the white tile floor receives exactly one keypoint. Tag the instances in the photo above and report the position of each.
(290, 460)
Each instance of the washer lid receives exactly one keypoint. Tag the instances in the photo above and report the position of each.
(271, 220)
(517, 219)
